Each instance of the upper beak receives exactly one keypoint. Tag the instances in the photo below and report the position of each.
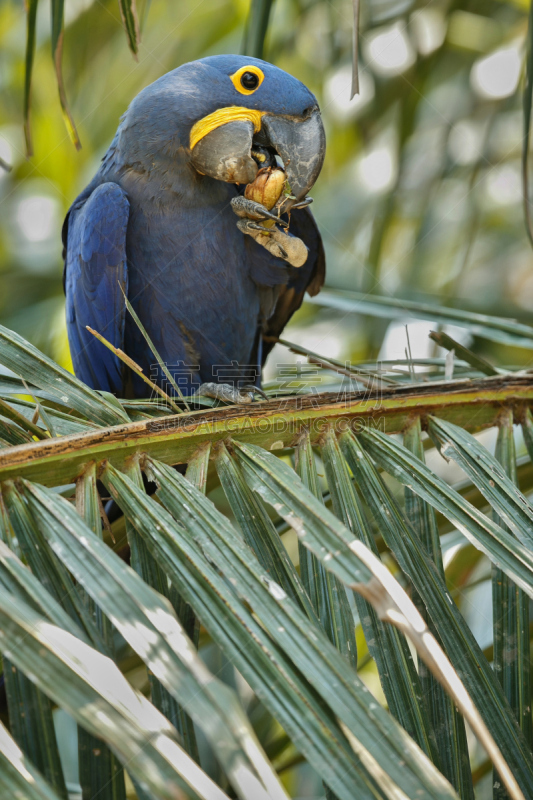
(301, 144)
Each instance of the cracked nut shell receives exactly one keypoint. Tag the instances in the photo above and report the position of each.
(267, 187)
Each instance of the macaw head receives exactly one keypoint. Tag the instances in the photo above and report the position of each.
(229, 116)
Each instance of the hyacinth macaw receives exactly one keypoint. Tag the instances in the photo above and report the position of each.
(164, 220)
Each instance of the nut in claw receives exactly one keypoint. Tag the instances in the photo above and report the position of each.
(267, 187)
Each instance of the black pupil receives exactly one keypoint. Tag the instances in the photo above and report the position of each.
(249, 80)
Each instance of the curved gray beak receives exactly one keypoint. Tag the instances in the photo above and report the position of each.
(301, 144)
(225, 152)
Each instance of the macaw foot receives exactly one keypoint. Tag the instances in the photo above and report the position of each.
(226, 392)
(249, 209)
(281, 245)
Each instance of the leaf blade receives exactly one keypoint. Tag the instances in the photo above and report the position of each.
(244, 641)
(327, 592)
(100, 772)
(498, 329)
(20, 356)
(257, 28)
(447, 723)
(482, 532)
(128, 12)
(96, 694)
(57, 8)
(511, 611)
(487, 474)
(31, 20)
(388, 647)
(18, 776)
(259, 532)
(134, 608)
(461, 646)
(354, 564)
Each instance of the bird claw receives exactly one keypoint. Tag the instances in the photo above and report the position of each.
(278, 243)
(247, 226)
(303, 203)
(255, 390)
(226, 392)
(245, 208)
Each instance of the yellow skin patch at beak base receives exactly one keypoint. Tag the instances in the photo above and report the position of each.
(221, 117)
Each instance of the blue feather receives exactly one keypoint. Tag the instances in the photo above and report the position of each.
(95, 266)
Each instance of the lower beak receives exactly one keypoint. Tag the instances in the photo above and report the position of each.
(301, 144)
(225, 153)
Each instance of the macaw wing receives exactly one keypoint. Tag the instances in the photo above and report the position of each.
(308, 278)
(95, 270)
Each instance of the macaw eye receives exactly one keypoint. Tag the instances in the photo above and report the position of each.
(247, 79)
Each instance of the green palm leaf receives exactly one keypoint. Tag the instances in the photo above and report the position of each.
(510, 615)
(502, 549)
(128, 12)
(100, 773)
(57, 55)
(326, 592)
(20, 356)
(31, 20)
(92, 689)
(265, 666)
(259, 531)
(256, 28)
(331, 542)
(327, 671)
(447, 724)
(18, 776)
(388, 647)
(461, 647)
(290, 636)
(496, 329)
(147, 622)
(488, 475)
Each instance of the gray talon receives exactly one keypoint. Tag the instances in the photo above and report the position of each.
(252, 210)
(255, 390)
(246, 225)
(303, 203)
(225, 392)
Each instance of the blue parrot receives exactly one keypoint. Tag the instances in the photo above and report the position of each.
(165, 222)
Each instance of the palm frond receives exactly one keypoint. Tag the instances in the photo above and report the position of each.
(290, 635)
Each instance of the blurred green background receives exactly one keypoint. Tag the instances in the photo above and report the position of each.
(420, 196)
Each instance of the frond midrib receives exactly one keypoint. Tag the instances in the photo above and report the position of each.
(273, 425)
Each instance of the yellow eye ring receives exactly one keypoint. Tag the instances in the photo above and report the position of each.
(240, 78)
